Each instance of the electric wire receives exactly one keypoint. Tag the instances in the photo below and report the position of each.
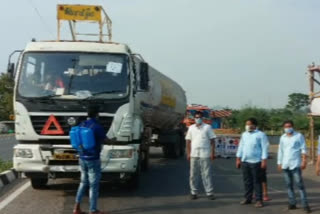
(46, 26)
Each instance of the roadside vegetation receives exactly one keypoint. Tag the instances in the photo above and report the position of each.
(5, 165)
(6, 97)
(270, 120)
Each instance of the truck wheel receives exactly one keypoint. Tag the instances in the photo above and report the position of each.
(134, 181)
(39, 183)
(165, 150)
(182, 147)
(175, 150)
(172, 150)
(145, 161)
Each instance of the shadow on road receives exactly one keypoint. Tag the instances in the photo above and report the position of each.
(165, 189)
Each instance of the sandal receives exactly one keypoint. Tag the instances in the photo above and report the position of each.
(266, 198)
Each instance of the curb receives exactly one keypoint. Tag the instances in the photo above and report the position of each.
(7, 177)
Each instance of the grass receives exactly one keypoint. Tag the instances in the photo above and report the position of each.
(5, 165)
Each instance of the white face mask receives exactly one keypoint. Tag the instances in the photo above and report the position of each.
(250, 128)
(288, 130)
(198, 121)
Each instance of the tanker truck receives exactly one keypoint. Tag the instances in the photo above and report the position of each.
(55, 81)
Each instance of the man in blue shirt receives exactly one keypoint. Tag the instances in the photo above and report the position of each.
(90, 165)
(291, 148)
(252, 157)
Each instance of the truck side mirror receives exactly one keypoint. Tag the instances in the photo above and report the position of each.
(10, 70)
(144, 76)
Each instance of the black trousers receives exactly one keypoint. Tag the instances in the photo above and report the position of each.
(252, 180)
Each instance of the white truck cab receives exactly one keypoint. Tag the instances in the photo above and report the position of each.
(55, 82)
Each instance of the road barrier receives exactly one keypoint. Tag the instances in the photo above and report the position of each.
(8, 177)
(227, 145)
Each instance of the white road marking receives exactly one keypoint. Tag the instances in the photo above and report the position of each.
(14, 195)
(240, 175)
(276, 190)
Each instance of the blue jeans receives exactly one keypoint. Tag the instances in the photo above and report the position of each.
(295, 175)
(90, 177)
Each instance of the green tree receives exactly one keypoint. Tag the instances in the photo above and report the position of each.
(301, 121)
(277, 117)
(297, 101)
(238, 118)
(6, 96)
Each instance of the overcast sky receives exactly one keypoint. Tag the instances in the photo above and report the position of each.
(224, 53)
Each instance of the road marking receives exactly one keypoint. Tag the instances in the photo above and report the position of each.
(14, 195)
(276, 190)
(240, 175)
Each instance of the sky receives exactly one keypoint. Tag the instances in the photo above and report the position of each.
(225, 53)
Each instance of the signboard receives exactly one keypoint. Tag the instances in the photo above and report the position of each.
(315, 106)
(79, 12)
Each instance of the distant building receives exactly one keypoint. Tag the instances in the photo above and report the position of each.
(218, 117)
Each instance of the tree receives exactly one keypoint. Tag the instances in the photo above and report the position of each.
(297, 101)
(277, 117)
(6, 96)
(238, 118)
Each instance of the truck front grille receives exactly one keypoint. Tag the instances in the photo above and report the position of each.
(38, 122)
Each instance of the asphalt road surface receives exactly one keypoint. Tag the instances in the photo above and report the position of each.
(7, 142)
(164, 190)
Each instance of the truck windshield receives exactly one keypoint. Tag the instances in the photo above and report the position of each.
(79, 75)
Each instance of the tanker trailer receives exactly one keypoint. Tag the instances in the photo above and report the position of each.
(162, 109)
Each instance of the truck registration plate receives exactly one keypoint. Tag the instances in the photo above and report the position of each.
(65, 156)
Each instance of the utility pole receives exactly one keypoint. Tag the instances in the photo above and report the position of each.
(312, 69)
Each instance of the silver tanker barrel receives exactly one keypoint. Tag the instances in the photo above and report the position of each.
(163, 108)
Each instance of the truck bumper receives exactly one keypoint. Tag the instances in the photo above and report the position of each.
(40, 165)
(105, 176)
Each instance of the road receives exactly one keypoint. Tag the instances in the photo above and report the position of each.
(164, 190)
(7, 142)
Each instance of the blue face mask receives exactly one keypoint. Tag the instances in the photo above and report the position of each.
(198, 121)
(288, 130)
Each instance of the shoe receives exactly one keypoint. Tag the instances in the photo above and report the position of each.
(258, 204)
(211, 197)
(193, 197)
(307, 209)
(292, 207)
(266, 198)
(245, 202)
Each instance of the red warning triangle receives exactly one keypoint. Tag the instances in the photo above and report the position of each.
(52, 121)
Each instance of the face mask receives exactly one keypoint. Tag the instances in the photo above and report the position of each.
(288, 130)
(248, 128)
(198, 121)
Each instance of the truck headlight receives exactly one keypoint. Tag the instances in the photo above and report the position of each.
(114, 154)
(23, 153)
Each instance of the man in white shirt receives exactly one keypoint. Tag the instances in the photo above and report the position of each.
(200, 152)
